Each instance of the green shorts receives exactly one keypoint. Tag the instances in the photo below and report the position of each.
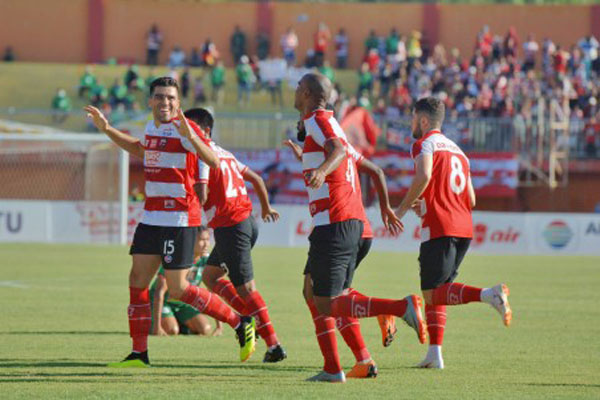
(181, 311)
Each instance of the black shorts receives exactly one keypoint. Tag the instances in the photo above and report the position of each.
(233, 245)
(364, 245)
(332, 256)
(439, 260)
(175, 245)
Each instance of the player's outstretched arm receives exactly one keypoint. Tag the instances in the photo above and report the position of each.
(390, 220)
(126, 142)
(335, 154)
(268, 213)
(423, 169)
(157, 306)
(202, 149)
(297, 150)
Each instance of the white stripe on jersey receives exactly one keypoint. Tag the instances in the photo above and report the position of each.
(161, 189)
(312, 160)
(165, 218)
(317, 194)
(164, 160)
(321, 218)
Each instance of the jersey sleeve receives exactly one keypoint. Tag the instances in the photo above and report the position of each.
(321, 130)
(421, 147)
(203, 171)
(241, 166)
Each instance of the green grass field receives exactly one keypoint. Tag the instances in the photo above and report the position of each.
(64, 318)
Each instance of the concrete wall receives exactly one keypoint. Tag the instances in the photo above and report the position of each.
(66, 29)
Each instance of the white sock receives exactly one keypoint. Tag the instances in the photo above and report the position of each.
(434, 352)
(487, 295)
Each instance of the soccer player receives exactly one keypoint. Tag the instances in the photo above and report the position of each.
(223, 193)
(171, 317)
(172, 151)
(338, 214)
(349, 328)
(442, 195)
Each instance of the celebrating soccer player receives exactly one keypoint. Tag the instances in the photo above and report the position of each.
(442, 195)
(223, 193)
(348, 327)
(338, 214)
(172, 152)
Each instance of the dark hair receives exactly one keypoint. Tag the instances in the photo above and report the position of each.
(432, 108)
(202, 229)
(164, 81)
(202, 117)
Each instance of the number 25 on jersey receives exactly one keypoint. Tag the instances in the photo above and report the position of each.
(235, 180)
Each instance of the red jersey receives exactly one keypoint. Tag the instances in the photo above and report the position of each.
(227, 203)
(339, 198)
(358, 158)
(446, 208)
(171, 167)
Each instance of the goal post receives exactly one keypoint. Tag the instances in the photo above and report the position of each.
(82, 168)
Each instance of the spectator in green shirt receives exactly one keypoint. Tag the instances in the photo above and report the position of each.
(98, 95)
(118, 93)
(61, 106)
(245, 79)
(326, 70)
(365, 79)
(391, 42)
(217, 81)
(87, 81)
(372, 41)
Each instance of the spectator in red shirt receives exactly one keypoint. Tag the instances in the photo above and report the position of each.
(322, 38)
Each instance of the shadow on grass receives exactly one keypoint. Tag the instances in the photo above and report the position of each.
(14, 363)
(32, 380)
(64, 333)
(558, 384)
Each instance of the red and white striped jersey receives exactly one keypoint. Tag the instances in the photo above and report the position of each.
(446, 208)
(227, 203)
(171, 167)
(339, 198)
(358, 158)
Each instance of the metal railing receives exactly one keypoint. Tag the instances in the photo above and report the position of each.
(266, 130)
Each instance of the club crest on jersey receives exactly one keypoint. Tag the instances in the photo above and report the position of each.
(162, 143)
(168, 259)
(313, 208)
(169, 203)
(151, 158)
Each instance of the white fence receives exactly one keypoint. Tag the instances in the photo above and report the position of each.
(495, 233)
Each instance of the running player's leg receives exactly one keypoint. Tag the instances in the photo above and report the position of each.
(325, 332)
(441, 259)
(176, 263)
(213, 277)
(234, 245)
(349, 328)
(328, 288)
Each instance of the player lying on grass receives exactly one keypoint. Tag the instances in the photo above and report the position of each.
(222, 192)
(172, 151)
(348, 327)
(442, 194)
(335, 204)
(171, 317)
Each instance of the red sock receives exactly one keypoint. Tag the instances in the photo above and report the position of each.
(361, 306)
(204, 301)
(140, 318)
(350, 330)
(325, 331)
(436, 322)
(452, 294)
(258, 309)
(226, 290)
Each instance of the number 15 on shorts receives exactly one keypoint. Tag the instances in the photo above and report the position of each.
(168, 247)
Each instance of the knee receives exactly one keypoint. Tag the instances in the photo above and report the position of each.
(172, 329)
(245, 289)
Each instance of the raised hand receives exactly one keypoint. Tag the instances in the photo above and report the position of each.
(294, 147)
(183, 127)
(99, 120)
